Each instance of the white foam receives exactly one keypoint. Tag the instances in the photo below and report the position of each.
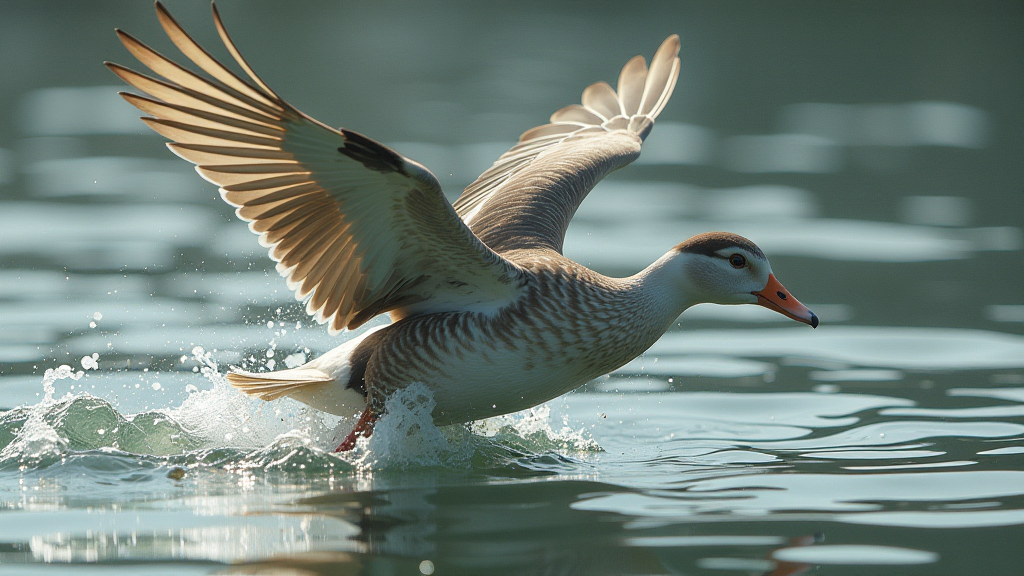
(37, 440)
(537, 421)
(406, 435)
(91, 362)
(223, 417)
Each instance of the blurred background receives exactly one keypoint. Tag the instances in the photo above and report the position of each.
(873, 149)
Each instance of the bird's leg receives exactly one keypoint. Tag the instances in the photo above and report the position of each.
(363, 428)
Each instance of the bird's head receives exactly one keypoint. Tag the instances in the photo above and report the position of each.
(723, 268)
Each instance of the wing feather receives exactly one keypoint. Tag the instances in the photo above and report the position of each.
(631, 84)
(185, 114)
(186, 78)
(168, 92)
(192, 134)
(526, 199)
(600, 99)
(355, 228)
(576, 114)
(657, 83)
(230, 45)
(309, 244)
(203, 154)
(200, 57)
(259, 197)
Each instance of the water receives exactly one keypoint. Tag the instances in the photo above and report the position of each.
(872, 150)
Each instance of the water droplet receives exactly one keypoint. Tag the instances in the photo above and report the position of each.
(295, 360)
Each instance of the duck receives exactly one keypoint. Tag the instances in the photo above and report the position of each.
(486, 311)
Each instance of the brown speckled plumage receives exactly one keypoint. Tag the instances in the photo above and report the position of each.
(568, 319)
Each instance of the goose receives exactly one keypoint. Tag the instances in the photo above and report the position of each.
(486, 311)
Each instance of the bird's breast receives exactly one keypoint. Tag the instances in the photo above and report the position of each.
(558, 335)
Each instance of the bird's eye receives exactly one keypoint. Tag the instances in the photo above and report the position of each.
(737, 261)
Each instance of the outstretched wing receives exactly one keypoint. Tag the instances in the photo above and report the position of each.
(526, 199)
(355, 228)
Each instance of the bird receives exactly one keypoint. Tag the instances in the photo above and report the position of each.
(485, 309)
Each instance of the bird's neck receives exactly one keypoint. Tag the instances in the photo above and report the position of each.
(666, 288)
(646, 305)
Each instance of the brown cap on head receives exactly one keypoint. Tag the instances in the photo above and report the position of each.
(709, 243)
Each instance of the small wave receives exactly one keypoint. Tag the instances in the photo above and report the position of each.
(219, 428)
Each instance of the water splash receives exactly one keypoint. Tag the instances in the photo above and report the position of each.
(532, 427)
(219, 428)
(34, 441)
(406, 436)
(223, 417)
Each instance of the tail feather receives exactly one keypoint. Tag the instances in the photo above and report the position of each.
(323, 383)
(273, 385)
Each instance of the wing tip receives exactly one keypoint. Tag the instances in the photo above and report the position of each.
(642, 92)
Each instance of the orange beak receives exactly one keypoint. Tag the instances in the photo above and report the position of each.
(774, 296)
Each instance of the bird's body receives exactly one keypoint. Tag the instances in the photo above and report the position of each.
(570, 325)
(487, 312)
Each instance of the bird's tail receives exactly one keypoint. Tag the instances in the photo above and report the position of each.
(273, 385)
(311, 386)
(325, 383)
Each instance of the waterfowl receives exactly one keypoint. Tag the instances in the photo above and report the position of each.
(486, 311)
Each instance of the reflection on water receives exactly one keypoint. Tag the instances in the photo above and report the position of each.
(779, 217)
(909, 124)
(68, 110)
(879, 171)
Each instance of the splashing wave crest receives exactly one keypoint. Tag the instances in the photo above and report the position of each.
(219, 428)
